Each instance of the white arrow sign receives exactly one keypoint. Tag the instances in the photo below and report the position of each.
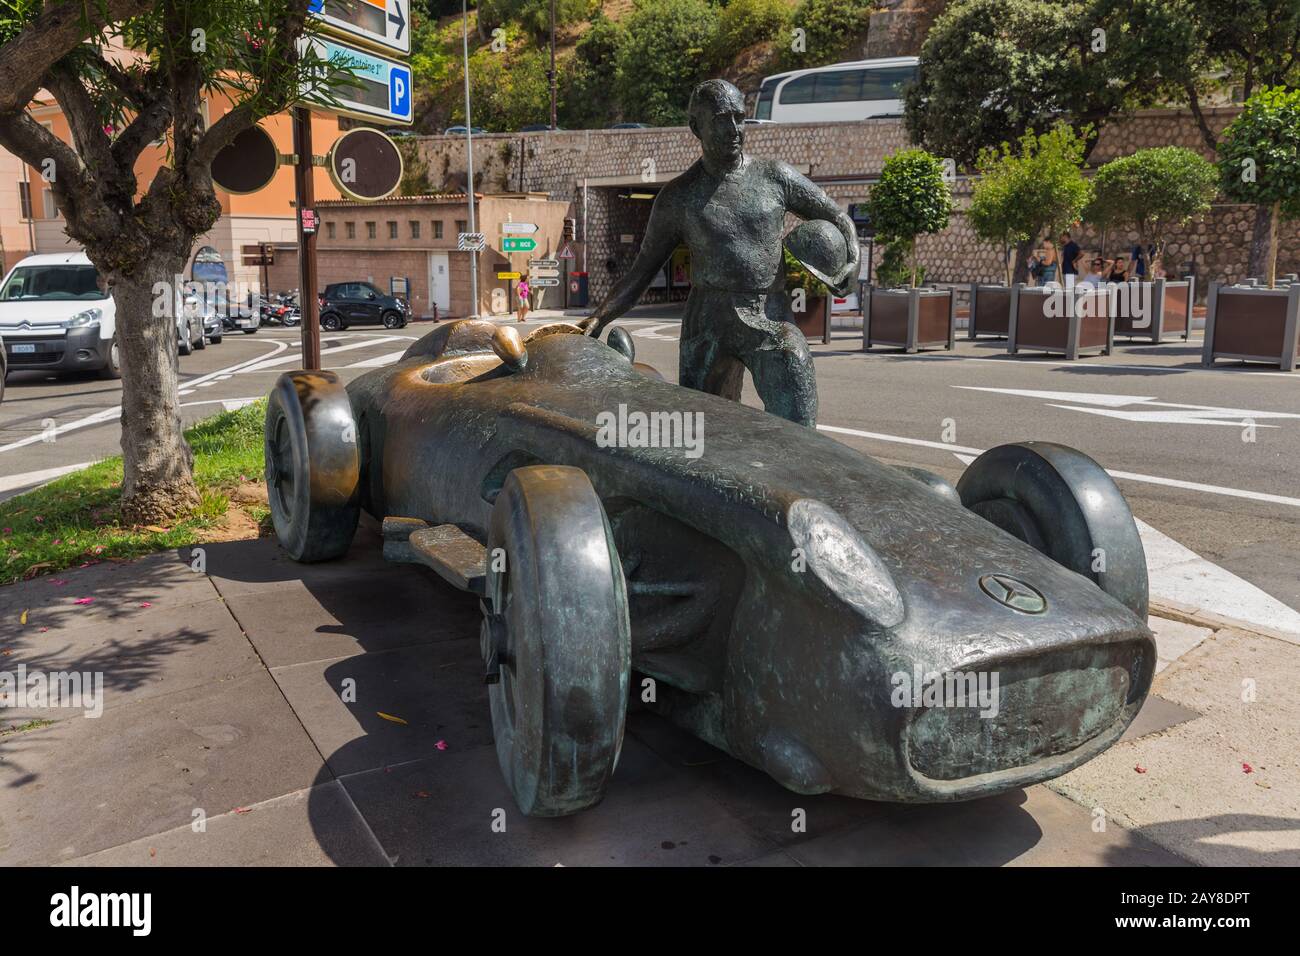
(1147, 410)
(377, 23)
(519, 228)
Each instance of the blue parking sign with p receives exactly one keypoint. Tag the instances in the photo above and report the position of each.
(399, 92)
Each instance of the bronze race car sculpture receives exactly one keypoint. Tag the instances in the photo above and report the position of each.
(796, 603)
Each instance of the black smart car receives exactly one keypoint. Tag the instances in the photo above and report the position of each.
(360, 303)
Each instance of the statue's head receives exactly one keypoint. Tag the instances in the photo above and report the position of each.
(717, 118)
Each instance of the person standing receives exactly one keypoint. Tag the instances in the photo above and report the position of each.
(729, 210)
(523, 291)
(1049, 265)
(1070, 253)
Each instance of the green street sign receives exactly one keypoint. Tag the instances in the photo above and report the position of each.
(518, 244)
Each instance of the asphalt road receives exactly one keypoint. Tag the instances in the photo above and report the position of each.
(1208, 457)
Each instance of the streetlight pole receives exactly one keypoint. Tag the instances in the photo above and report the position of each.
(469, 163)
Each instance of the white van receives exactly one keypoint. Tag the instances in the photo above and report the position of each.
(55, 314)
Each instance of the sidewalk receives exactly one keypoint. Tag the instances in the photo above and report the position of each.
(335, 714)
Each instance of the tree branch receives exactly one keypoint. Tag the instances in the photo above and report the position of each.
(1194, 103)
(149, 124)
(73, 184)
(51, 35)
(88, 135)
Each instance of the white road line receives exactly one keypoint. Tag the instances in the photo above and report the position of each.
(1181, 576)
(108, 414)
(378, 360)
(10, 482)
(325, 355)
(653, 332)
(1126, 475)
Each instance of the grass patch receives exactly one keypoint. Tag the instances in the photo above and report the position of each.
(75, 520)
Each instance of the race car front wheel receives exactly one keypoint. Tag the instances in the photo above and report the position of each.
(1064, 504)
(313, 467)
(556, 639)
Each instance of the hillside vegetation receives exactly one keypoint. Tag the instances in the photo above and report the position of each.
(616, 61)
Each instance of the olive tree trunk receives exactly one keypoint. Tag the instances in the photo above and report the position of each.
(158, 482)
(1023, 251)
(1263, 244)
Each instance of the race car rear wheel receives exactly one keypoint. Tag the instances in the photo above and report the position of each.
(313, 467)
(1064, 504)
(556, 639)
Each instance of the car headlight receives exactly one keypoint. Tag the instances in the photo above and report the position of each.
(82, 319)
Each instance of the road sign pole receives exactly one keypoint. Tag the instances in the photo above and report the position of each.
(305, 190)
(469, 163)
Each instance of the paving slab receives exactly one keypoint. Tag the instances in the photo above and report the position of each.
(143, 653)
(1156, 715)
(316, 827)
(1023, 827)
(437, 691)
(750, 795)
(441, 812)
(375, 609)
(1174, 639)
(260, 564)
(1223, 790)
(116, 590)
(83, 785)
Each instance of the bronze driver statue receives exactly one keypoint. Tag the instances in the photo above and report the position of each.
(729, 209)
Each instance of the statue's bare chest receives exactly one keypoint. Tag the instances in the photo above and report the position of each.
(747, 207)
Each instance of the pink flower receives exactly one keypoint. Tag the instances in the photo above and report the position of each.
(145, 604)
(441, 745)
(85, 600)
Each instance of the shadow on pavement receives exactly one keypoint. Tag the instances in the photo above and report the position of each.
(381, 665)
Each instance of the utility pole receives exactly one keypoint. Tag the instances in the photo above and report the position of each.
(551, 73)
(305, 188)
(469, 164)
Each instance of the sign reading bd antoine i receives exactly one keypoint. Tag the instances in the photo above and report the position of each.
(383, 86)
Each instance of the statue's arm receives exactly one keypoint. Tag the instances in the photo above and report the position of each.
(806, 200)
(662, 236)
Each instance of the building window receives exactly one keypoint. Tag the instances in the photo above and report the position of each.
(47, 199)
(329, 230)
(415, 229)
(25, 200)
(370, 230)
(460, 226)
(351, 229)
(437, 229)
(392, 229)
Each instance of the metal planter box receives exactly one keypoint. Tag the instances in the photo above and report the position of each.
(1085, 324)
(909, 319)
(1253, 325)
(990, 310)
(1170, 314)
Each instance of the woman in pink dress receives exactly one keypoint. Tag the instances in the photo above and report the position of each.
(522, 291)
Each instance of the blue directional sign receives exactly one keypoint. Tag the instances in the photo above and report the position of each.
(381, 24)
(384, 90)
